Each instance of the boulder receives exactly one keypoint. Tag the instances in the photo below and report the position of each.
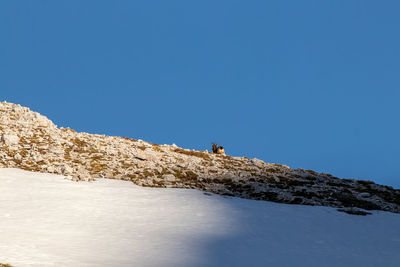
(17, 157)
(257, 162)
(66, 170)
(169, 177)
(10, 139)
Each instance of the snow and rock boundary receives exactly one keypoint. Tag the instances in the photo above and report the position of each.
(30, 141)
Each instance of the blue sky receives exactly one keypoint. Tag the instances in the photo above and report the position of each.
(310, 84)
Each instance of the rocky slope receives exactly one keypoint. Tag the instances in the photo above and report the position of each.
(30, 141)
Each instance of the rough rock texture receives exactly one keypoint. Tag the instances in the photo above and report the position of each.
(30, 141)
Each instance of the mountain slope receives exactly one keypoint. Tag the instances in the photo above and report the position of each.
(30, 141)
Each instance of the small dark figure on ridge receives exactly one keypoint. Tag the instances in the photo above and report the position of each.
(217, 149)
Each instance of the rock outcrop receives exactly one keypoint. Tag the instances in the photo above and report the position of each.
(32, 142)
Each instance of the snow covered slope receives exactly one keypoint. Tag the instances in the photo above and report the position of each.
(46, 220)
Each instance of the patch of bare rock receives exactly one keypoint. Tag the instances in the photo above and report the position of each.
(32, 142)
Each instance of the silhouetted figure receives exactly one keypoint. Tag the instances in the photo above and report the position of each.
(217, 149)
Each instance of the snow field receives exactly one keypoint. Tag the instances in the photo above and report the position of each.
(46, 220)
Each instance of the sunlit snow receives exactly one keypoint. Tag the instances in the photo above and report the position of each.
(46, 220)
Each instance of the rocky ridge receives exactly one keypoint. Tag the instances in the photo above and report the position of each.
(32, 142)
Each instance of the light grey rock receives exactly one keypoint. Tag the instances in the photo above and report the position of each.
(85, 177)
(365, 194)
(10, 139)
(169, 177)
(51, 169)
(37, 158)
(257, 162)
(66, 170)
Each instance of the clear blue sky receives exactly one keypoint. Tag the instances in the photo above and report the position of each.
(310, 84)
